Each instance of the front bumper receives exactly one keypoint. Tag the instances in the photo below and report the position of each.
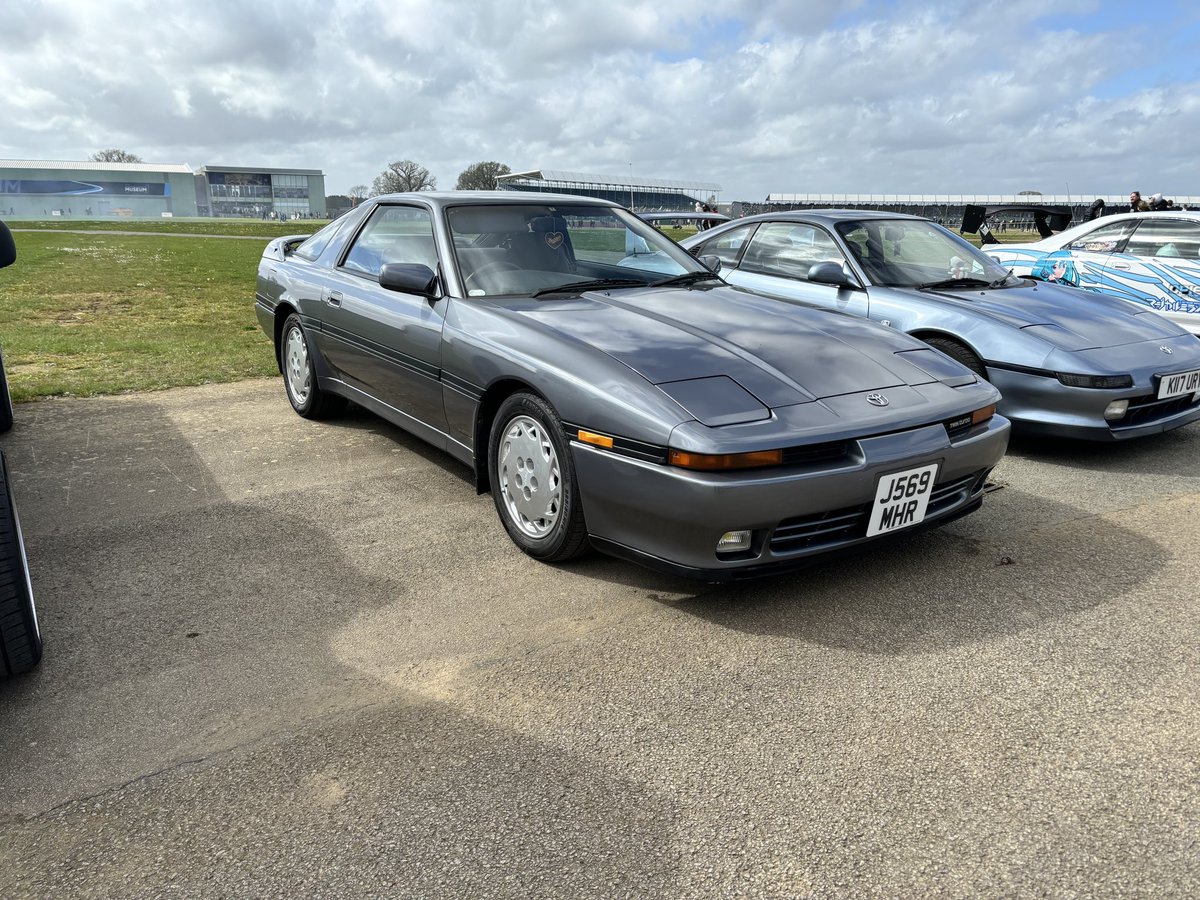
(1040, 405)
(670, 518)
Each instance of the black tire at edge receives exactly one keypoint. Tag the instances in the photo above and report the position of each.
(20, 640)
(6, 407)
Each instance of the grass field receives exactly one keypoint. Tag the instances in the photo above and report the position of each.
(95, 314)
(86, 314)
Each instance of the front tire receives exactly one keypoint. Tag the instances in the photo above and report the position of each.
(299, 376)
(533, 480)
(20, 639)
(959, 353)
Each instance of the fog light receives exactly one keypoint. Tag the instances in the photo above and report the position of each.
(1116, 410)
(734, 541)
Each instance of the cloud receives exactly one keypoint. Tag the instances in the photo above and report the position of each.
(775, 96)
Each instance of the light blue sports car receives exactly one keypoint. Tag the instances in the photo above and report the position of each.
(1068, 363)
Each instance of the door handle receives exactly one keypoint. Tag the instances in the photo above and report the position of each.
(335, 298)
(1122, 266)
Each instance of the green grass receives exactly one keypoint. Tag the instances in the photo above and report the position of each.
(99, 314)
(244, 227)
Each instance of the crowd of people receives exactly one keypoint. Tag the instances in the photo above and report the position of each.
(1156, 203)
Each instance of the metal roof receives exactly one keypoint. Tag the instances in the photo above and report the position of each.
(88, 165)
(557, 175)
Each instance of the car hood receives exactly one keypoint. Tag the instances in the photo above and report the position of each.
(780, 353)
(1066, 317)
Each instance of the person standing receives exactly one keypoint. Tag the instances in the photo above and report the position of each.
(1136, 203)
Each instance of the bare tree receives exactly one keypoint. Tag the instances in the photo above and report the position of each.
(403, 175)
(358, 193)
(481, 176)
(114, 155)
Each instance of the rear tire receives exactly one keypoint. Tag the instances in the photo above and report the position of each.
(300, 377)
(533, 480)
(20, 639)
(959, 353)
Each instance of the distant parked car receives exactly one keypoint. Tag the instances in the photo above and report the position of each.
(1151, 258)
(1067, 363)
(20, 639)
(609, 389)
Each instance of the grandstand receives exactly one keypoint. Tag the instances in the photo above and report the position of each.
(944, 208)
(641, 194)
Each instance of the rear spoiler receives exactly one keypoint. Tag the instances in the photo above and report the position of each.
(1048, 219)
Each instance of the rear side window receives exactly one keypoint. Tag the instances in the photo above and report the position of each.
(727, 245)
(1171, 238)
(315, 245)
(1104, 239)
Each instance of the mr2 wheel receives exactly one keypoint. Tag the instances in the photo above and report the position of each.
(533, 480)
(959, 353)
(299, 376)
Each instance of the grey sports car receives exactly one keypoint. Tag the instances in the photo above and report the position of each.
(1067, 363)
(608, 389)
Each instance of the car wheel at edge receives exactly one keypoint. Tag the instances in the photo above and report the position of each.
(20, 639)
(959, 353)
(6, 407)
(533, 480)
(299, 377)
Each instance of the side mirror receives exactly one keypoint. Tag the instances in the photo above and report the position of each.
(8, 248)
(830, 273)
(410, 278)
(712, 263)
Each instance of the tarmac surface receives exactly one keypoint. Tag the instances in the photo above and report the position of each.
(304, 659)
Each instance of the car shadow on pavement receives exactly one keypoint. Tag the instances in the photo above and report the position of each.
(977, 579)
(1169, 454)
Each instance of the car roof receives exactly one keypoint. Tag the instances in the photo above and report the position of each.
(828, 216)
(516, 198)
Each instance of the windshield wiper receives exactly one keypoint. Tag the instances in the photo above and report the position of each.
(686, 278)
(576, 286)
(957, 282)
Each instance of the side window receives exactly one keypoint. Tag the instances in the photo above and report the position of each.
(1165, 238)
(1105, 239)
(726, 246)
(315, 245)
(790, 250)
(393, 234)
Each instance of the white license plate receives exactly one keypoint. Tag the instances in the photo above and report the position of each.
(901, 499)
(1178, 384)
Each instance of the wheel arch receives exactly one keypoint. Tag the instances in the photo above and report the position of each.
(282, 311)
(923, 334)
(489, 405)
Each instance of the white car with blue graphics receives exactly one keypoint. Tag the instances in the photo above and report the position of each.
(1151, 258)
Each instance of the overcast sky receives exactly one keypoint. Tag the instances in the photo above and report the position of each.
(773, 96)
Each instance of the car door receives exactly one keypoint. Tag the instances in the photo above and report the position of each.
(383, 342)
(777, 260)
(1086, 262)
(1160, 258)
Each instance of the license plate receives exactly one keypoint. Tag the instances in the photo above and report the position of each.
(901, 499)
(1177, 385)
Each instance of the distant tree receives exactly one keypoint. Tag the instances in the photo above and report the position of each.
(359, 192)
(114, 155)
(403, 175)
(481, 176)
(335, 203)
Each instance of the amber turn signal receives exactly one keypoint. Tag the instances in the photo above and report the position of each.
(600, 440)
(716, 462)
(982, 415)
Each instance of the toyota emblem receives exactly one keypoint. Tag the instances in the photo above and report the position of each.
(1165, 349)
(877, 399)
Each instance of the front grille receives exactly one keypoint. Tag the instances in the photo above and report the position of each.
(1147, 409)
(815, 453)
(842, 526)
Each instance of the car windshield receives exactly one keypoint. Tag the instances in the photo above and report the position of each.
(538, 248)
(918, 253)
